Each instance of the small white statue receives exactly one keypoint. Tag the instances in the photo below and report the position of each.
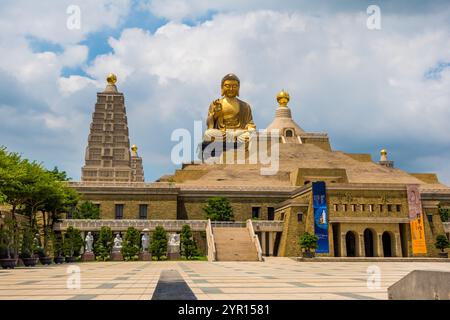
(145, 241)
(36, 241)
(89, 242)
(174, 239)
(117, 243)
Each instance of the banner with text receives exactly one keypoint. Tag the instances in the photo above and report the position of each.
(416, 219)
(320, 216)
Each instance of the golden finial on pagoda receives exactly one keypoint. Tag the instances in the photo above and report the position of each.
(283, 98)
(383, 154)
(134, 149)
(111, 79)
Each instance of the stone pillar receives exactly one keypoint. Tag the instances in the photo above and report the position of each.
(271, 235)
(263, 242)
(362, 248)
(379, 245)
(343, 245)
(398, 245)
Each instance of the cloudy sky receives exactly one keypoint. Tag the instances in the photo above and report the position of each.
(369, 89)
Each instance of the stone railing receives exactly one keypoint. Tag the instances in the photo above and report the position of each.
(154, 185)
(122, 225)
(268, 225)
(169, 225)
(228, 224)
(210, 242)
(255, 239)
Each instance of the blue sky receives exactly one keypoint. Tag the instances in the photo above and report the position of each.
(369, 89)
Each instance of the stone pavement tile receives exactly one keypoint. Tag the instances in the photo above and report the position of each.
(107, 285)
(128, 297)
(300, 284)
(354, 296)
(83, 297)
(209, 290)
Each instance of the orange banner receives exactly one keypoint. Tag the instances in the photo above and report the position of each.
(416, 220)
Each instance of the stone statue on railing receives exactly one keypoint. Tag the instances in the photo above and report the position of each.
(145, 254)
(117, 243)
(145, 240)
(88, 254)
(116, 254)
(173, 247)
(89, 242)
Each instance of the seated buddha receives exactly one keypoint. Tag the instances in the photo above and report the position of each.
(229, 118)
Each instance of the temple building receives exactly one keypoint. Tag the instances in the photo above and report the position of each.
(365, 207)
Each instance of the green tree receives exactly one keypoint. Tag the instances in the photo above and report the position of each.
(28, 245)
(218, 209)
(60, 175)
(57, 244)
(72, 242)
(444, 213)
(442, 242)
(87, 210)
(13, 177)
(103, 246)
(188, 246)
(131, 244)
(308, 241)
(159, 242)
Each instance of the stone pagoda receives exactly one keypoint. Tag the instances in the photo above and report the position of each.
(108, 157)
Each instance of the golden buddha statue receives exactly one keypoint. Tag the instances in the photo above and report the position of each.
(229, 118)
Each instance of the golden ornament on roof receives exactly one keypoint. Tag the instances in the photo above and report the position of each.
(111, 79)
(283, 98)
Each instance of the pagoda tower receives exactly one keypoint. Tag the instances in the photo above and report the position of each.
(108, 157)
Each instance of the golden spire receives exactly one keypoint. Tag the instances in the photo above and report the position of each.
(283, 98)
(111, 79)
(383, 154)
(134, 149)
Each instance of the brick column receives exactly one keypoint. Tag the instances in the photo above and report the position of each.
(263, 242)
(379, 244)
(362, 250)
(398, 245)
(271, 235)
(343, 246)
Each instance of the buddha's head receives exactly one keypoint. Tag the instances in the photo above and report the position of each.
(230, 86)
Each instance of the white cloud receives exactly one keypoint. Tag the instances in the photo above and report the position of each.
(47, 20)
(73, 84)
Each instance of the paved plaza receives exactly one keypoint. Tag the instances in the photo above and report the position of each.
(276, 278)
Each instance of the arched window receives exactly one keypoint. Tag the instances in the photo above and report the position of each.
(289, 133)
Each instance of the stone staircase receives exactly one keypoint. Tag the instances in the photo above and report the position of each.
(234, 244)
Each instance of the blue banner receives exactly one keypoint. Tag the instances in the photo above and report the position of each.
(320, 216)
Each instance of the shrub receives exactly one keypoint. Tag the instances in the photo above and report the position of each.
(159, 243)
(57, 243)
(444, 213)
(188, 246)
(103, 246)
(130, 246)
(72, 242)
(218, 209)
(308, 241)
(442, 242)
(28, 247)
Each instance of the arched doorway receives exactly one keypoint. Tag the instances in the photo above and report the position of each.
(387, 244)
(368, 243)
(350, 243)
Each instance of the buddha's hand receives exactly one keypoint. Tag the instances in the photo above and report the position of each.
(217, 106)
